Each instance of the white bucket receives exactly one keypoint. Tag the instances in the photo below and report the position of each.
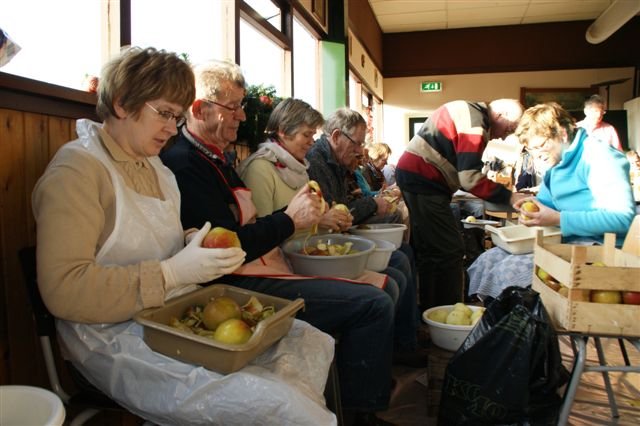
(30, 406)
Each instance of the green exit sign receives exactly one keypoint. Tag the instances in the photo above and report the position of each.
(431, 86)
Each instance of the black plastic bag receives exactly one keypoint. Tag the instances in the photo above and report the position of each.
(509, 370)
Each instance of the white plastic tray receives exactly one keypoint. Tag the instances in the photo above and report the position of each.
(479, 223)
(519, 239)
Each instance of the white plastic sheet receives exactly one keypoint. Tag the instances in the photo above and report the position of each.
(283, 386)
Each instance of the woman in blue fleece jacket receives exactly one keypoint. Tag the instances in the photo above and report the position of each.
(586, 192)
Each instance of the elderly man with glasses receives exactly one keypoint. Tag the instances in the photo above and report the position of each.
(212, 190)
(332, 160)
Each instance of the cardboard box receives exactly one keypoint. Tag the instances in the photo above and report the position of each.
(571, 265)
(217, 356)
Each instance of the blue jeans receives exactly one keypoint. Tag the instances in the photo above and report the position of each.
(361, 316)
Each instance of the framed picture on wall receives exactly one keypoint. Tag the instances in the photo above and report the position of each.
(571, 99)
(414, 125)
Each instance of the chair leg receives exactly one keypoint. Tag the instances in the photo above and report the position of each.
(332, 393)
(84, 416)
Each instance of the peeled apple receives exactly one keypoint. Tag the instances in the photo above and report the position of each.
(463, 308)
(439, 316)
(457, 317)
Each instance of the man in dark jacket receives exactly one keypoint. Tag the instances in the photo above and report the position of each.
(444, 156)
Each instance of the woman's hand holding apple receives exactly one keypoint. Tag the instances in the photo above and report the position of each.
(544, 216)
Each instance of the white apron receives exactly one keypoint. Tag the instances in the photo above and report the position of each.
(115, 358)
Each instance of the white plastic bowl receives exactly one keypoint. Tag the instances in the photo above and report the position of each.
(379, 257)
(447, 336)
(346, 266)
(392, 232)
(28, 405)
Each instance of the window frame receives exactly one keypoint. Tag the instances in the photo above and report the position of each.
(24, 94)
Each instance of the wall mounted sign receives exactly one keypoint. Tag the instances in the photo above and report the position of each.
(431, 86)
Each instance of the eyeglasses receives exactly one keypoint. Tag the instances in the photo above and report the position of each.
(168, 115)
(242, 105)
(360, 145)
(538, 148)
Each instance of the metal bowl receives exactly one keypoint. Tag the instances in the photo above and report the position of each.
(346, 266)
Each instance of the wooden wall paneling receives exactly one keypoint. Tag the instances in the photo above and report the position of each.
(60, 132)
(23, 343)
(4, 328)
(36, 160)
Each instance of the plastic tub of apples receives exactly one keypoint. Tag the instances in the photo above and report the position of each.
(219, 327)
(449, 325)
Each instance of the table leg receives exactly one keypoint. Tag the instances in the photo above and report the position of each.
(605, 377)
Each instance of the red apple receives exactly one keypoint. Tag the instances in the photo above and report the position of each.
(631, 297)
(220, 237)
(606, 296)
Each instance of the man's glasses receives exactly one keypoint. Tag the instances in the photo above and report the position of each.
(360, 145)
(227, 107)
(168, 115)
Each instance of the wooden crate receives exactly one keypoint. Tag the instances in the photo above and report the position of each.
(571, 266)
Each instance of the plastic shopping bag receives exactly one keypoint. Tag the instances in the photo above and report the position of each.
(509, 370)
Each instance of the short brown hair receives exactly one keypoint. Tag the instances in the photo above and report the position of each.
(139, 75)
(290, 114)
(546, 120)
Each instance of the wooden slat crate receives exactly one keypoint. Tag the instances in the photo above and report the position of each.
(571, 265)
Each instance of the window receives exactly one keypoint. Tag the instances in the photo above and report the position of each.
(262, 61)
(57, 47)
(268, 10)
(197, 28)
(305, 65)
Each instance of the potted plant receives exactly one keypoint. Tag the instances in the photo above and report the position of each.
(261, 100)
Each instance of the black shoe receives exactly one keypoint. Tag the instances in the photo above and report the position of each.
(369, 419)
(417, 358)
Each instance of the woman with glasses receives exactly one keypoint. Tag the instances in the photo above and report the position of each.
(110, 243)
(585, 192)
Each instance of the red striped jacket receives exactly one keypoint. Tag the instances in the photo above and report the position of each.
(446, 154)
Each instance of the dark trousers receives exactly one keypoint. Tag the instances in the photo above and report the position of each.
(438, 247)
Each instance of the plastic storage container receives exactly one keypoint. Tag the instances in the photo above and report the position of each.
(345, 266)
(214, 355)
(519, 239)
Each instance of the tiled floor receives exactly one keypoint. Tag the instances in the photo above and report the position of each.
(413, 403)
